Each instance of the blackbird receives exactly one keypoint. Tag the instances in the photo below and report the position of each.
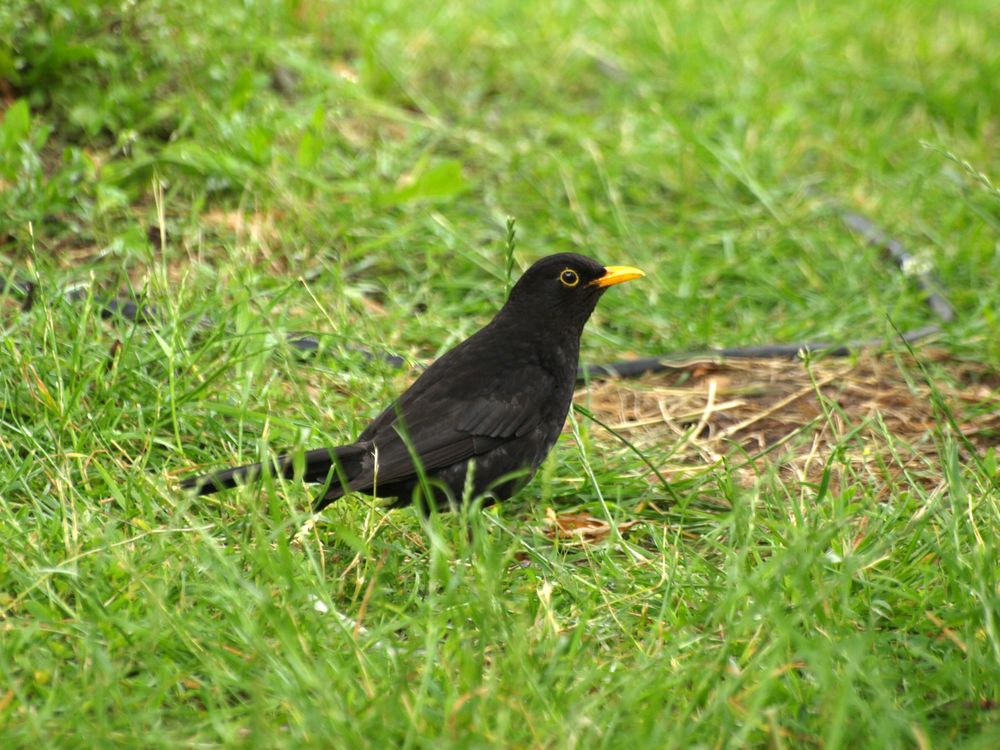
(482, 417)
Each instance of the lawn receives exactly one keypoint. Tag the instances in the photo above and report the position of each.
(738, 553)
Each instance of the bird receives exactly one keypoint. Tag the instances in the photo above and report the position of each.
(481, 418)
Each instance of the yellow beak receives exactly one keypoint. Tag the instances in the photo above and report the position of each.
(616, 275)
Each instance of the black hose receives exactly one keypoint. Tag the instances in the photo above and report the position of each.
(128, 308)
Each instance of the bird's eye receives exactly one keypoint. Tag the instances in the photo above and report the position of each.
(569, 277)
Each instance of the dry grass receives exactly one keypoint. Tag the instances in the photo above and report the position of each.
(877, 411)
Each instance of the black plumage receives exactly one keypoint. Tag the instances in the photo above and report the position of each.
(495, 403)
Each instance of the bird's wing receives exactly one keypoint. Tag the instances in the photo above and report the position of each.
(503, 415)
(444, 428)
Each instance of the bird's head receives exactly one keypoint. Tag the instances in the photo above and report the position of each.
(563, 289)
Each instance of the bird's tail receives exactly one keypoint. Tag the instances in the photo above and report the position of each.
(317, 467)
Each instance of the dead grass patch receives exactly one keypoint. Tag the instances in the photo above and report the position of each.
(876, 412)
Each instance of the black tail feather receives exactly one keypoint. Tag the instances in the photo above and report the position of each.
(206, 484)
(317, 466)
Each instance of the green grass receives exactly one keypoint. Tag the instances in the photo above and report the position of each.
(348, 169)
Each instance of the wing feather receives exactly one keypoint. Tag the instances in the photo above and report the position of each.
(444, 430)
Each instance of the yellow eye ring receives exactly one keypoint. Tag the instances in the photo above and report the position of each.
(569, 277)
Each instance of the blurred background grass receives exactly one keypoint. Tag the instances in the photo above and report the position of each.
(347, 169)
